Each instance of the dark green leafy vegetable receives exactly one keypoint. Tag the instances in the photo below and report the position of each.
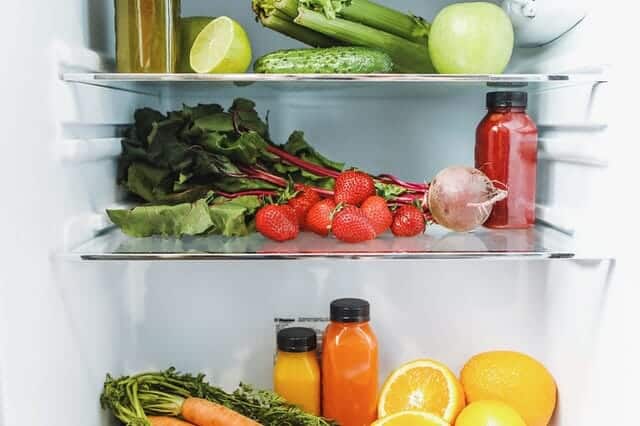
(203, 170)
(132, 398)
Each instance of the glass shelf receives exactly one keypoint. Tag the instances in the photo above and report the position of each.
(491, 79)
(328, 85)
(536, 243)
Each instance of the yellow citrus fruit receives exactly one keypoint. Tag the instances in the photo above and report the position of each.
(514, 378)
(489, 413)
(411, 418)
(221, 47)
(422, 385)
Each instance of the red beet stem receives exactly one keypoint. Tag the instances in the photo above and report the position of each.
(257, 193)
(408, 185)
(295, 161)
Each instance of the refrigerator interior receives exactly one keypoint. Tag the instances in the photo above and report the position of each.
(66, 322)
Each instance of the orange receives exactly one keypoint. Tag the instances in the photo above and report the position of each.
(489, 413)
(411, 418)
(514, 378)
(422, 385)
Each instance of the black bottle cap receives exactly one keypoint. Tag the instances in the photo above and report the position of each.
(507, 99)
(350, 310)
(297, 339)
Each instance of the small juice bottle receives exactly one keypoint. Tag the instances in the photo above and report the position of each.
(350, 365)
(296, 375)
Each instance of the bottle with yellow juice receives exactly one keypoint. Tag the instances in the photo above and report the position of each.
(296, 375)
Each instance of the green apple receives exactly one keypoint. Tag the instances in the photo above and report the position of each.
(471, 38)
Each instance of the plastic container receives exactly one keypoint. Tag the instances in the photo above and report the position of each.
(296, 375)
(147, 35)
(350, 365)
(506, 151)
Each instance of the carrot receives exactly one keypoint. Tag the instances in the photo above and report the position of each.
(202, 412)
(167, 421)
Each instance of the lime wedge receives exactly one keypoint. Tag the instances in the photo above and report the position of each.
(222, 47)
(189, 29)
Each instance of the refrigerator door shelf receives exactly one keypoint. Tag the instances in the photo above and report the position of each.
(538, 22)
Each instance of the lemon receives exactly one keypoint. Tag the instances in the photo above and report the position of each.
(189, 29)
(222, 47)
(422, 385)
(489, 413)
(411, 418)
(513, 378)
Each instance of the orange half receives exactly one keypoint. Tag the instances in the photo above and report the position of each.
(411, 418)
(423, 385)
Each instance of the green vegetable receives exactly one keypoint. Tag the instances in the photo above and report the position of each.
(465, 38)
(376, 16)
(132, 398)
(356, 60)
(357, 22)
(408, 57)
(204, 170)
(221, 216)
(280, 22)
(471, 38)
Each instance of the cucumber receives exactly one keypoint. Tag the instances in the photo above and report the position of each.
(332, 60)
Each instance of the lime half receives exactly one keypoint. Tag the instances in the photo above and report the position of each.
(222, 47)
(189, 29)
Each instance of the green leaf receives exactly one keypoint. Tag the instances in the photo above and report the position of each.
(247, 118)
(219, 122)
(299, 147)
(178, 220)
(238, 184)
(144, 180)
(232, 218)
(144, 120)
(201, 110)
(389, 190)
(246, 149)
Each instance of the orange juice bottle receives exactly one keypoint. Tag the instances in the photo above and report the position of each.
(296, 375)
(350, 365)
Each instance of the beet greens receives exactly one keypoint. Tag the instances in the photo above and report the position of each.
(204, 170)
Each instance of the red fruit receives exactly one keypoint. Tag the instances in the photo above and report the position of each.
(376, 210)
(352, 226)
(353, 187)
(408, 222)
(278, 223)
(318, 218)
(303, 202)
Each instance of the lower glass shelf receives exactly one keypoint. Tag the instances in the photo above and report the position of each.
(539, 242)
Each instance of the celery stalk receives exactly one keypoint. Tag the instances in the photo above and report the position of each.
(273, 14)
(288, 7)
(374, 15)
(408, 57)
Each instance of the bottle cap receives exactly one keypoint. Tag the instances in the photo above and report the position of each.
(350, 310)
(297, 339)
(507, 99)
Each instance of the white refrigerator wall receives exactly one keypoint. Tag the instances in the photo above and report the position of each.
(64, 325)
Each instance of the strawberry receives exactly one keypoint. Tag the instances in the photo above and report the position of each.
(303, 202)
(318, 218)
(408, 222)
(353, 187)
(376, 210)
(352, 226)
(277, 222)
